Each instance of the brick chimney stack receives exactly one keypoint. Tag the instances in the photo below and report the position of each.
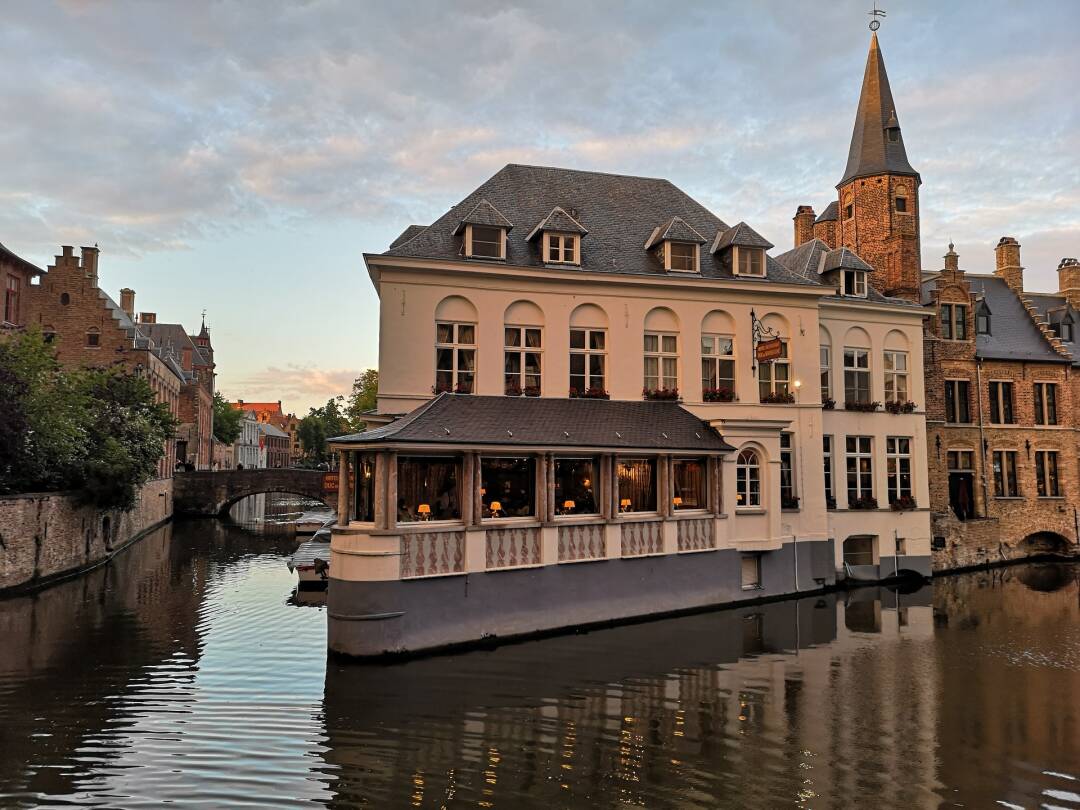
(1008, 263)
(804, 224)
(952, 260)
(127, 301)
(147, 317)
(89, 263)
(1069, 280)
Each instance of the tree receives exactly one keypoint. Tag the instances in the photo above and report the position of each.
(227, 420)
(319, 425)
(363, 398)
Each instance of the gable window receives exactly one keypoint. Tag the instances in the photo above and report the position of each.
(1005, 484)
(901, 201)
(587, 358)
(485, 241)
(856, 375)
(953, 321)
(661, 361)
(747, 480)
(982, 320)
(751, 261)
(1001, 403)
(854, 283)
(11, 299)
(561, 248)
(898, 467)
(896, 376)
(522, 360)
(1046, 474)
(774, 377)
(93, 337)
(455, 357)
(860, 469)
(825, 361)
(957, 409)
(1046, 403)
(718, 367)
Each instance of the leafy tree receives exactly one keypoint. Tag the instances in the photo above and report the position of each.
(364, 396)
(227, 420)
(319, 425)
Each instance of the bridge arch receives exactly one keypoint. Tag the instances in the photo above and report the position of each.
(211, 494)
(1045, 542)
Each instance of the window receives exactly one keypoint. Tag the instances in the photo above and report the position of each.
(860, 469)
(901, 202)
(486, 242)
(982, 320)
(508, 486)
(93, 337)
(427, 488)
(773, 378)
(896, 376)
(751, 572)
(961, 466)
(898, 468)
(637, 485)
(1065, 329)
(953, 320)
(956, 401)
(1005, 484)
(455, 357)
(718, 366)
(11, 299)
(562, 248)
(65, 299)
(854, 283)
(788, 499)
(830, 495)
(364, 504)
(859, 551)
(689, 477)
(857, 375)
(894, 135)
(747, 480)
(849, 211)
(825, 360)
(681, 256)
(522, 360)
(1046, 403)
(1046, 474)
(1001, 399)
(587, 355)
(751, 261)
(575, 486)
(661, 361)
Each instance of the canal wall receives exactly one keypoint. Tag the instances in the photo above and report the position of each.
(958, 545)
(47, 536)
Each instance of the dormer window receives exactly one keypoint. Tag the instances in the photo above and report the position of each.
(1064, 328)
(750, 261)
(485, 242)
(854, 283)
(982, 320)
(681, 256)
(562, 248)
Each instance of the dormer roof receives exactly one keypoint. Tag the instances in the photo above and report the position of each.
(558, 220)
(484, 213)
(830, 214)
(843, 259)
(677, 230)
(740, 235)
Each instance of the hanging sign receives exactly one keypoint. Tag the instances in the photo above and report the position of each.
(766, 351)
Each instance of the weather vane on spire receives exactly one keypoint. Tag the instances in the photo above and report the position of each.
(875, 23)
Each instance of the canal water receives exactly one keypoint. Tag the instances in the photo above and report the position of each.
(188, 672)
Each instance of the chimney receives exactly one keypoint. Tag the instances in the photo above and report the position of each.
(89, 263)
(127, 301)
(1069, 280)
(1008, 263)
(952, 260)
(804, 224)
(147, 317)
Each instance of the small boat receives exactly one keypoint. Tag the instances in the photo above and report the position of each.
(308, 524)
(311, 561)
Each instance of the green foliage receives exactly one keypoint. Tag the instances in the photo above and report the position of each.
(364, 396)
(227, 420)
(98, 431)
(319, 425)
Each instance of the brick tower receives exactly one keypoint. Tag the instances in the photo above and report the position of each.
(879, 193)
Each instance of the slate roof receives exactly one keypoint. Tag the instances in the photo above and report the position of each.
(741, 235)
(677, 231)
(830, 214)
(408, 234)
(844, 258)
(271, 430)
(464, 419)
(619, 211)
(173, 336)
(557, 220)
(1053, 307)
(484, 213)
(871, 151)
(812, 259)
(13, 258)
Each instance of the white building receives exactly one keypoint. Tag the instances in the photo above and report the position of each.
(248, 452)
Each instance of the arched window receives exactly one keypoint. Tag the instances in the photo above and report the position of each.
(523, 349)
(455, 345)
(661, 352)
(747, 480)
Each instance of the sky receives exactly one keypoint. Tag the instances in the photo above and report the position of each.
(239, 157)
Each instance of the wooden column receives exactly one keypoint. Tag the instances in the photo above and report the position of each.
(663, 485)
(545, 497)
(478, 498)
(379, 494)
(343, 488)
(468, 501)
(613, 482)
(603, 484)
(390, 459)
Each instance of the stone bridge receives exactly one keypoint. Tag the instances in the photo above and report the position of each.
(210, 494)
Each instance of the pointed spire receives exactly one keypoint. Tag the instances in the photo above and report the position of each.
(877, 146)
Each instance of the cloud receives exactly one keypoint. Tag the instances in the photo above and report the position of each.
(298, 388)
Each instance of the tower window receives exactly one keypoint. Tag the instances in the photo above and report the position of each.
(849, 211)
(894, 135)
(901, 205)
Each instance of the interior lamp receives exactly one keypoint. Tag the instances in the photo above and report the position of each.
(568, 505)
(677, 501)
(424, 510)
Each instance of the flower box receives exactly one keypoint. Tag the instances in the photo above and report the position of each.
(789, 502)
(900, 407)
(903, 504)
(830, 502)
(866, 502)
(460, 388)
(589, 393)
(865, 407)
(717, 395)
(668, 394)
(778, 398)
(518, 391)
(828, 404)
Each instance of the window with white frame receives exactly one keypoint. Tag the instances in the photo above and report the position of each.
(788, 497)
(718, 366)
(774, 378)
(485, 241)
(522, 360)
(860, 469)
(455, 357)
(561, 248)
(898, 467)
(856, 375)
(854, 283)
(747, 480)
(1046, 474)
(825, 355)
(588, 357)
(827, 447)
(751, 261)
(896, 376)
(661, 361)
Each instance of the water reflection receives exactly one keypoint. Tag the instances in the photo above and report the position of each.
(189, 670)
(277, 511)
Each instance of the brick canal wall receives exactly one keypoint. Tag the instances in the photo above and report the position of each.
(45, 536)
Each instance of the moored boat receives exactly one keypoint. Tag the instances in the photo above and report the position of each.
(311, 560)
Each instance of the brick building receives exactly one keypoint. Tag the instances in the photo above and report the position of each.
(275, 443)
(273, 414)
(999, 387)
(16, 276)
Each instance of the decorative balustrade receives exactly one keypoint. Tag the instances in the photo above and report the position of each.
(642, 538)
(512, 547)
(696, 535)
(581, 542)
